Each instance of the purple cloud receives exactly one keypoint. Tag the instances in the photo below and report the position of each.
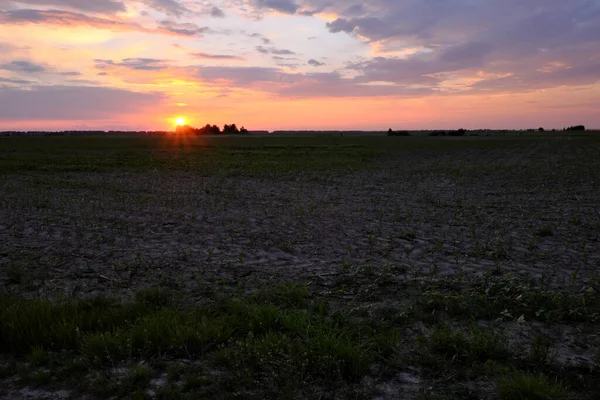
(316, 63)
(209, 56)
(99, 6)
(72, 103)
(23, 66)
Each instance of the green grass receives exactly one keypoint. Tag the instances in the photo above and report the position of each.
(56, 326)
(469, 347)
(542, 351)
(230, 156)
(512, 299)
(251, 156)
(38, 356)
(525, 386)
(269, 341)
(280, 341)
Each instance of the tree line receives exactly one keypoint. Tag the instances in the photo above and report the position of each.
(212, 130)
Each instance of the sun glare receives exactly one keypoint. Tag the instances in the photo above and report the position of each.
(180, 121)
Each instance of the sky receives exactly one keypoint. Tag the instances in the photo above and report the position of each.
(299, 64)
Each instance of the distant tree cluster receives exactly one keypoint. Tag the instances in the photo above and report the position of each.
(459, 132)
(397, 133)
(212, 130)
(233, 130)
(575, 128)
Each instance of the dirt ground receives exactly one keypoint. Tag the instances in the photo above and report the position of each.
(528, 211)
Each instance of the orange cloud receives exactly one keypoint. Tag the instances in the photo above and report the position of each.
(72, 19)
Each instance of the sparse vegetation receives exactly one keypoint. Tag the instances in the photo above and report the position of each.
(300, 266)
(476, 345)
(524, 386)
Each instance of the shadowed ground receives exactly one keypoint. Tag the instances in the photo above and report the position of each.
(440, 267)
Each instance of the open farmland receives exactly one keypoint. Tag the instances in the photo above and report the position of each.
(300, 267)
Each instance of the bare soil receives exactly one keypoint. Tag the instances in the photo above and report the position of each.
(365, 239)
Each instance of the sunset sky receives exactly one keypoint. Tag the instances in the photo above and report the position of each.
(299, 64)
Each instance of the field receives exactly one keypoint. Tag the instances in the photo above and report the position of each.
(308, 267)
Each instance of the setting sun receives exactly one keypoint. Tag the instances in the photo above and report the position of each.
(180, 121)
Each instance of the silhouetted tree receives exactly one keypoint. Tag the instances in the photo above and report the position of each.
(575, 128)
(398, 133)
(230, 129)
(209, 130)
(541, 129)
(460, 132)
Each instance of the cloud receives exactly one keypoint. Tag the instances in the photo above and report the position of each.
(72, 103)
(417, 47)
(6, 48)
(64, 18)
(209, 56)
(464, 39)
(97, 6)
(168, 7)
(263, 39)
(242, 76)
(413, 71)
(273, 50)
(183, 29)
(544, 78)
(354, 10)
(282, 6)
(71, 19)
(23, 66)
(332, 85)
(315, 63)
(473, 51)
(525, 26)
(138, 64)
(15, 81)
(301, 85)
(282, 52)
(216, 12)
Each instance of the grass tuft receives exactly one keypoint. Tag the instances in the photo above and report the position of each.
(38, 356)
(525, 386)
(509, 298)
(154, 299)
(477, 345)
